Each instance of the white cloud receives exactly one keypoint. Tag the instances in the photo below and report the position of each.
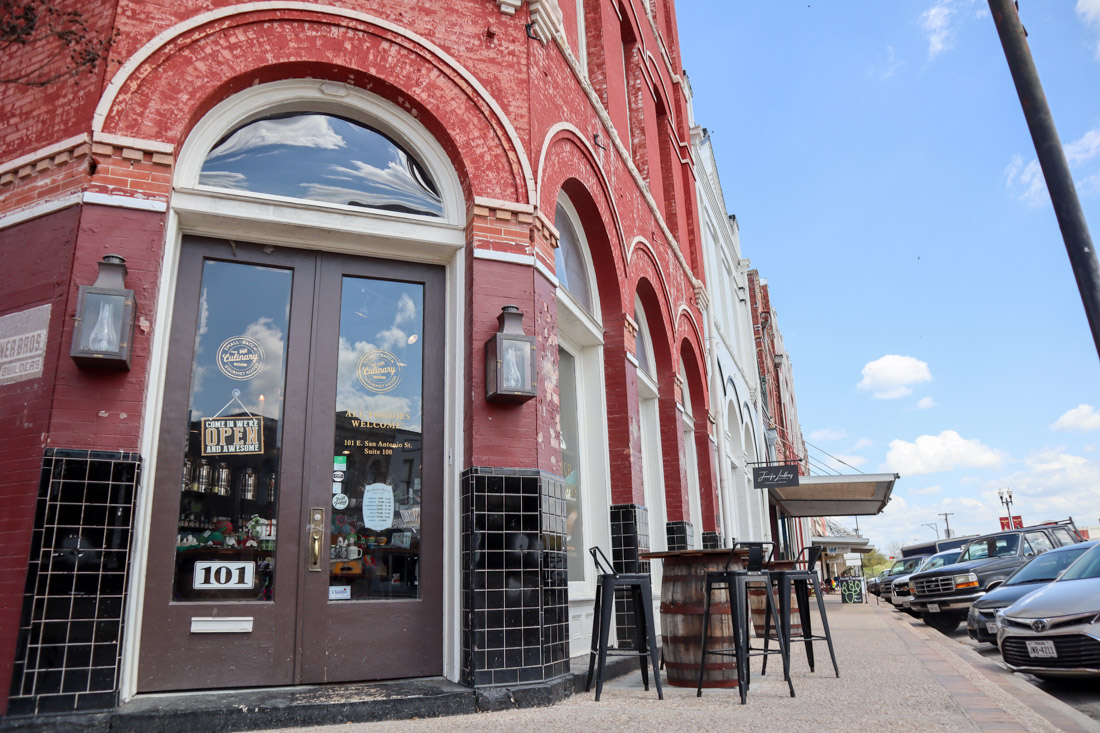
(1054, 485)
(890, 377)
(928, 490)
(828, 434)
(862, 443)
(943, 452)
(843, 463)
(887, 68)
(936, 23)
(1089, 11)
(1082, 417)
(1026, 180)
(925, 403)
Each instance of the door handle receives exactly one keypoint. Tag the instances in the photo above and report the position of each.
(314, 532)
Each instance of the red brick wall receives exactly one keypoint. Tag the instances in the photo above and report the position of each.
(38, 257)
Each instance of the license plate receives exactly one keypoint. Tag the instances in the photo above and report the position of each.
(991, 627)
(1041, 649)
(905, 604)
(934, 608)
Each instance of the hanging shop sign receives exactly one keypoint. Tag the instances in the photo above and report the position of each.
(774, 477)
(239, 436)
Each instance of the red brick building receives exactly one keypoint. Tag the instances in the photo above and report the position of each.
(784, 433)
(323, 208)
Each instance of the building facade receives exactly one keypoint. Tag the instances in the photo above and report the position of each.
(734, 376)
(323, 212)
(783, 433)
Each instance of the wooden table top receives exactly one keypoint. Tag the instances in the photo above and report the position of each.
(717, 552)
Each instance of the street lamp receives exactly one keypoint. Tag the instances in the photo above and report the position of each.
(1006, 499)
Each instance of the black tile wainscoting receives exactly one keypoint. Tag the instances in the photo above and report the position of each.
(67, 658)
(515, 598)
(629, 539)
(681, 535)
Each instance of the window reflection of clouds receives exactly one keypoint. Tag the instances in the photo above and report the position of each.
(307, 131)
(368, 304)
(269, 382)
(240, 300)
(299, 156)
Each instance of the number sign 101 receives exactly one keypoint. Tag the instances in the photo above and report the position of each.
(224, 575)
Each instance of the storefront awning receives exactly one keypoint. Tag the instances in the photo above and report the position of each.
(836, 496)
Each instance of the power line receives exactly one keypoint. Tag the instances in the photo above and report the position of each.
(838, 460)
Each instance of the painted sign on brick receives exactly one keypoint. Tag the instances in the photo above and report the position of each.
(23, 344)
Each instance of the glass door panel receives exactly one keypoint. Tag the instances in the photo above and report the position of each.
(374, 542)
(572, 466)
(225, 544)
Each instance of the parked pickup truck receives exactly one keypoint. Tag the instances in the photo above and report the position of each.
(943, 596)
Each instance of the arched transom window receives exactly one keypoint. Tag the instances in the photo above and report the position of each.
(569, 261)
(324, 158)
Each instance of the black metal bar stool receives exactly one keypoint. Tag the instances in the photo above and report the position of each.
(736, 583)
(645, 638)
(800, 580)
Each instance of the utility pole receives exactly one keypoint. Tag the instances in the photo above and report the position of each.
(1052, 159)
(946, 524)
(934, 526)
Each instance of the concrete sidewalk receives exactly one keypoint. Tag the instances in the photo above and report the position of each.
(896, 675)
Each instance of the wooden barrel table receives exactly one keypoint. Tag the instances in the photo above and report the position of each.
(683, 594)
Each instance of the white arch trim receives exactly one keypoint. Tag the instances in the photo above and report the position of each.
(569, 127)
(645, 244)
(164, 37)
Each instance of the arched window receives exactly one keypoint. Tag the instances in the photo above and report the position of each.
(582, 415)
(569, 258)
(653, 479)
(324, 158)
(691, 462)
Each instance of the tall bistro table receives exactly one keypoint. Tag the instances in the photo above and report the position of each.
(683, 594)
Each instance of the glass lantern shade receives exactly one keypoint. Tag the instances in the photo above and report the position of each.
(104, 319)
(510, 360)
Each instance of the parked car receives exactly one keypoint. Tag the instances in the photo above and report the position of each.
(1033, 576)
(943, 596)
(902, 596)
(904, 566)
(1056, 630)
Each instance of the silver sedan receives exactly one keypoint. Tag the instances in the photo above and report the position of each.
(1056, 631)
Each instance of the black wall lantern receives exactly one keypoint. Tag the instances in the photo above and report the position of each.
(104, 331)
(510, 360)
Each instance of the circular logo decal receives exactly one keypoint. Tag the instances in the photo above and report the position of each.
(240, 358)
(379, 371)
(339, 501)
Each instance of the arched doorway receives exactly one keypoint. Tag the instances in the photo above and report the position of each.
(296, 521)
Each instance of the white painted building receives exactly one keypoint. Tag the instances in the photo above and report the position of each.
(731, 357)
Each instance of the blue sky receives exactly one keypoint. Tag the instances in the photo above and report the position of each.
(882, 174)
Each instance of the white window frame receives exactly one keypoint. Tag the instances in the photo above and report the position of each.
(581, 334)
(691, 463)
(649, 419)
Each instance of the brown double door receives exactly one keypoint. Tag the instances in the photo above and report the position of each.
(296, 529)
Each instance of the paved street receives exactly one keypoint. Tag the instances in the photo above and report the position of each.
(1082, 694)
(896, 675)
